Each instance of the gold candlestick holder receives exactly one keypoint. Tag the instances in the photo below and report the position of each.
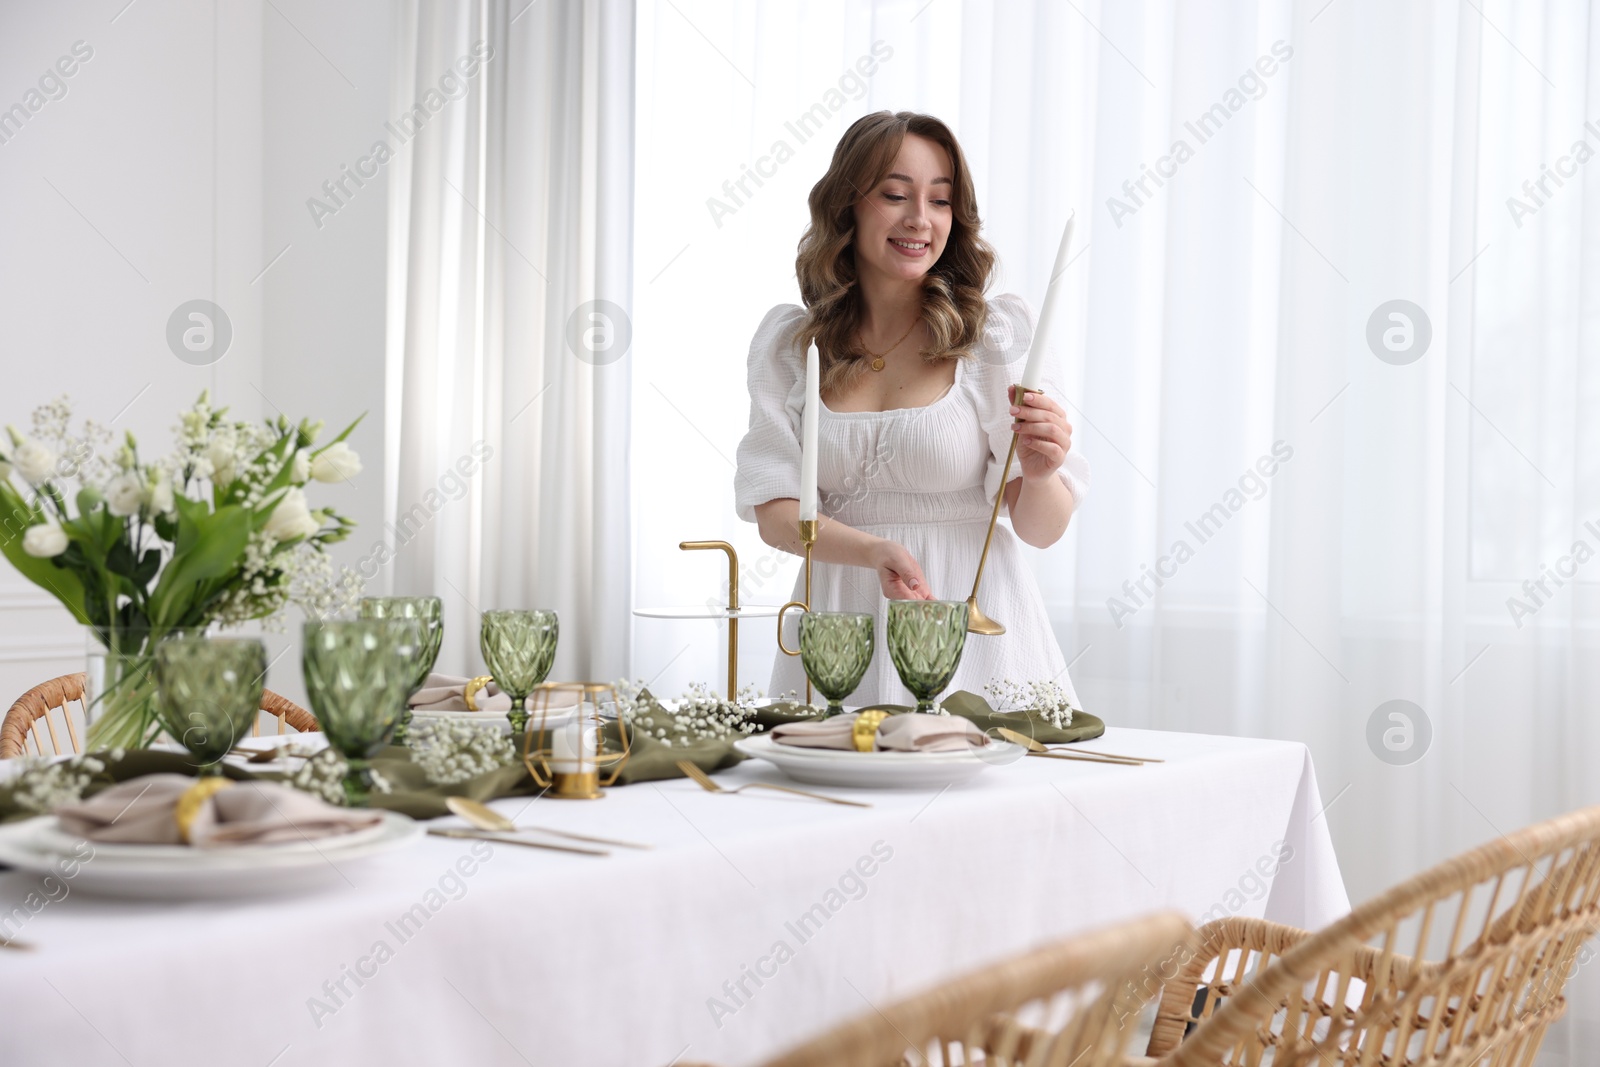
(573, 774)
(733, 607)
(977, 621)
(808, 536)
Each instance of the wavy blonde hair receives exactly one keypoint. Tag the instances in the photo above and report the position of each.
(953, 306)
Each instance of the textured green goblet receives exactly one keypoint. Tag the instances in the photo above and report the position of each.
(357, 676)
(208, 693)
(428, 612)
(835, 650)
(925, 642)
(519, 648)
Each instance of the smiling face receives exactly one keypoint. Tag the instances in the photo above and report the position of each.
(904, 221)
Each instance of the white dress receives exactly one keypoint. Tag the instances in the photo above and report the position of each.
(924, 477)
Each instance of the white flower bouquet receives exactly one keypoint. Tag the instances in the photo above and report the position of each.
(219, 531)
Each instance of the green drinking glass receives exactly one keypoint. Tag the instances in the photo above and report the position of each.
(208, 694)
(519, 648)
(427, 612)
(835, 650)
(357, 675)
(925, 642)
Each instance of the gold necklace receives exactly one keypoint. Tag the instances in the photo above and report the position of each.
(877, 360)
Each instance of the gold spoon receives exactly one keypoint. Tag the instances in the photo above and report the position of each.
(486, 818)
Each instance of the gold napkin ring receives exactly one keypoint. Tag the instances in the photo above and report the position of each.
(864, 731)
(191, 800)
(471, 689)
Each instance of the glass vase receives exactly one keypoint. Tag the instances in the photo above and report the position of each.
(119, 700)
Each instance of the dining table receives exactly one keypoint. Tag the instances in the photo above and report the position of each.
(750, 922)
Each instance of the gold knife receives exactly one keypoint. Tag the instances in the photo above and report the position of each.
(478, 835)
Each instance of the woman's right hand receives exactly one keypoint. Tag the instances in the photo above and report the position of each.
(899, 576)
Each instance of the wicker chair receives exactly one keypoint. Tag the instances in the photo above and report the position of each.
(1073, 1002)
(1463, 964)
(21, 735)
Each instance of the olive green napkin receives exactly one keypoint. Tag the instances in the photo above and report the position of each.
(1027, 723)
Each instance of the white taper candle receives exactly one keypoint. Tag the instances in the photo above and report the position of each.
(1043, 336)
(808, 436)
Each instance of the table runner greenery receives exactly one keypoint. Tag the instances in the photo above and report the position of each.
(411, 791)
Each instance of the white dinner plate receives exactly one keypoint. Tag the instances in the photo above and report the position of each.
(877, 770)
(246, 871)
(50, 839)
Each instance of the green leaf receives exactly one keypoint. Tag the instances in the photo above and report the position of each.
(348, 430)
(209, 545)
(148, 566)
(121, 561)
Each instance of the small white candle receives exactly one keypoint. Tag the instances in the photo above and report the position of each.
(1033, 372)
(573, 747)
(808, 436)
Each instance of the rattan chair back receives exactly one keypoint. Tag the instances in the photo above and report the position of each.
(1463, 964)
(47, 720)
(1075, 1002)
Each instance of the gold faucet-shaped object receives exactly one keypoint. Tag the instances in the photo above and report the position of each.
(733, 608)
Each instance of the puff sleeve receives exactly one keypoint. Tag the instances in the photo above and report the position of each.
(999, 362)
(768, 466)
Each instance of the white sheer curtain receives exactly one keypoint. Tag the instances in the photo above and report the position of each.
(509, 277)
(1353, 526)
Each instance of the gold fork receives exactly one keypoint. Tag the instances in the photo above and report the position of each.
(704, 781)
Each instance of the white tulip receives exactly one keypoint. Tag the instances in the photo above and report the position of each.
(44, 540)
(124, 494)
(34, 461)
(336, 463)
(292, 518)
(158, 495)
(300, 472)
(220, 453)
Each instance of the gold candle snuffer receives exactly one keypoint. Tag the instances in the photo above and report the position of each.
(572, 774)
(977, 621)
(808, 535)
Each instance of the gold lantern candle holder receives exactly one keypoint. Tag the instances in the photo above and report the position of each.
(560, 759)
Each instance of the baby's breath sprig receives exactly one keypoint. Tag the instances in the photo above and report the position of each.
(698, 715)
(1046, 698)
(43, 786)
(454, 751)
(323, 777)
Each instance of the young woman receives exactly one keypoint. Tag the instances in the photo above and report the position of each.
(917, 372)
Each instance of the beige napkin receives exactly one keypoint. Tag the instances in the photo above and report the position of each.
(442, 692)
(140, 811)
(897, 733)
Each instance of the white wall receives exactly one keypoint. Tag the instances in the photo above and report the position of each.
(176, 167)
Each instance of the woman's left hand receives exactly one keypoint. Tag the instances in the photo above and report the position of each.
(1044, 434)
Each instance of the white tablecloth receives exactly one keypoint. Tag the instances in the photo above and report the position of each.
(755, 922)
